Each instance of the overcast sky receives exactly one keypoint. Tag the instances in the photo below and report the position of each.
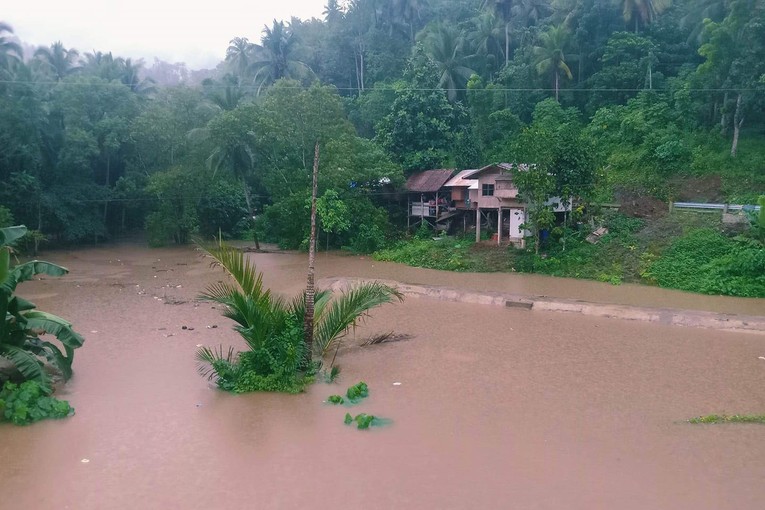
(193, 32)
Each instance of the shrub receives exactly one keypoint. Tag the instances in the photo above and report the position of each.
(706, 261)
(29, 402)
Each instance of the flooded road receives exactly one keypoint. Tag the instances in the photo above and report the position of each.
(497, 408)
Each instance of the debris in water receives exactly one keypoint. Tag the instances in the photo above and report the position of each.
(385, 338)
(200, 345)
(85, 461)
(184, 327)
(93, 331)
(762, 357)
(396, 384)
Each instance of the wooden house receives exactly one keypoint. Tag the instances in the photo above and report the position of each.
(489, 194)
(427, 198)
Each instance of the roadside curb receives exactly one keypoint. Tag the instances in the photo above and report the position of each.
(671, 316)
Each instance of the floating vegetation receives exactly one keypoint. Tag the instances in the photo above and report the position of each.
(724, 418)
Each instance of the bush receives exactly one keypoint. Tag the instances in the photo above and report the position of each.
(706, 261)
(6, 218)
(28, 402)
(223, 209)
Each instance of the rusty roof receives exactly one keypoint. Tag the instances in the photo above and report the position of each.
(462, 179)
(428, 181)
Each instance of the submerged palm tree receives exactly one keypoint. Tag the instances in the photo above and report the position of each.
(263, 318)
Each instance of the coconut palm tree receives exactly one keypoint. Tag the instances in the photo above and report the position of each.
(274, 57)
(267, 322)
(131, 76)
(528, 12)
(404, 14)
(332, 12)
(485, 39)
(444, 45)
(104, 65)
(239, 54)
(61, 62)
(504, 11)
(550, 55)
(10, 51)
(645, 11)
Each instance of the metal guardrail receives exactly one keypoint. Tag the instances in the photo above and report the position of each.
(722, 207)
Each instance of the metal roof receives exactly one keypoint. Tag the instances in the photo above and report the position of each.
(504, 167)
(462, 179)
(428, 181)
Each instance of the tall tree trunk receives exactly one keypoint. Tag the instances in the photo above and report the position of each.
(557, 80)
(108, 178)
(738, 120)
(251, 212)
(724, 115)
(507, 43)
(310, 290)
(361, 65)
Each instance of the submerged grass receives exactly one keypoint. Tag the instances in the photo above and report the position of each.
(724, 418)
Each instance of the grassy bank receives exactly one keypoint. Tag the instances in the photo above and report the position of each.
(686, 251)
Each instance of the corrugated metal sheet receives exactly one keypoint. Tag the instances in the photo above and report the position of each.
(462, 179)
(428, 181)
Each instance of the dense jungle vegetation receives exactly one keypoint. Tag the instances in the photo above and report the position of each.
(653, 99)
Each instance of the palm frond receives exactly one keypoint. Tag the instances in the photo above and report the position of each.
(207, 359)
(345, 310)
(235, 263)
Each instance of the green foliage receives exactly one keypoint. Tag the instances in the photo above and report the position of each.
(175, 218)
(706, 261)
(364, 421)
(222, 209)
(6, 217)
(357, 392)
(450, 254)
(724, 418)
(335, 399)
(29, 402)
(23, 325)
(417, 133)
(331, 375)
(277, 359)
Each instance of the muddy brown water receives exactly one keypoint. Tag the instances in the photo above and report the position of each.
(497, 408)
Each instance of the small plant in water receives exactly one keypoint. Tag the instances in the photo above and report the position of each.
(336, 399)
(724, 418)
(28, 402)
(364, 421)
(357, 392)
(331, 375)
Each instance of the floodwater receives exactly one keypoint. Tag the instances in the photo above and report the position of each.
(497, 408)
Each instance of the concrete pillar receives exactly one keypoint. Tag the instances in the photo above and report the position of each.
(499, 226)
(477, 224)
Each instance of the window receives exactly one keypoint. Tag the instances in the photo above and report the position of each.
(487, 190)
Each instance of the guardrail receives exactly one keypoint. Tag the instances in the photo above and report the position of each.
(708, 207)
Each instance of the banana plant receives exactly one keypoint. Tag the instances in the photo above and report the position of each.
(23, 324)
